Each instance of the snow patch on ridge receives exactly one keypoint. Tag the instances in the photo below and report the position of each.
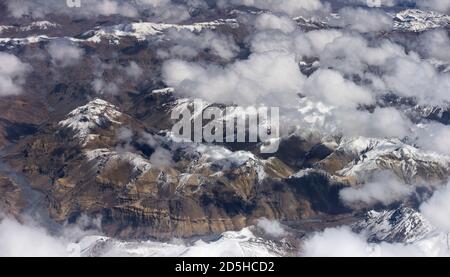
(37, 25)
(102, 157)
(143, 30)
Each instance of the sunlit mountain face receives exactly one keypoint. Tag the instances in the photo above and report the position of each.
(338, 142)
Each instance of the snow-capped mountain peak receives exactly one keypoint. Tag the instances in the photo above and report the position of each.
(391, 154)
(404, 225)
(415, 20)
(85, 119)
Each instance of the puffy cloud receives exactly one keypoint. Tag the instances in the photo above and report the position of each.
(64, 53)
(438, 5)
(161, 158)
(167, 10)
(125, 134)
(289, 40)
(271, 78)
(434, 137)
(105, 76)
(20, 8)
(329, 120)
(437, 209)
(352, 54)
(12, 74)
(28, 239)
(319, 39)
(134, 71)
(363, 20)
(271, 227)
(99, 7)
(188, 44)
(384, 188)
(330, 87)
(412, 77)
(382, 123)
(110, 7)
(382, 66)
(342, 242)
(435, 44)
(17, 240)
(101, 86)
(156, 9)
(268, 21)
(41, 8)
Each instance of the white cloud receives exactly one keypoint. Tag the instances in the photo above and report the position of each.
(271, 78)
(352, 54)
(17, 240)
(319, 39)
(342, 242)
(435, 44)
(382, 123)
(412, 77)
(112, 78)
(438, 5)
(384, 188)
(167, 10)
(64, 53)
(124, 134)
(383, 66)
(271, 227)
(41, 8)
(161, 158)
(363, 20)
(331, 88)
(188, 44)
(328, 120)
(133, 70)
(104, 87)
(268, 21)
(12, 74)
(301, 44)
(28, 239)
(110, 7)
(155, 9)
(437, 209)
(434, 137)
(19, 8)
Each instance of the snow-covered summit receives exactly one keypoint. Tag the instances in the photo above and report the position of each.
(415, 20)
(403, 225)
(85, 119)
(391, 154)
